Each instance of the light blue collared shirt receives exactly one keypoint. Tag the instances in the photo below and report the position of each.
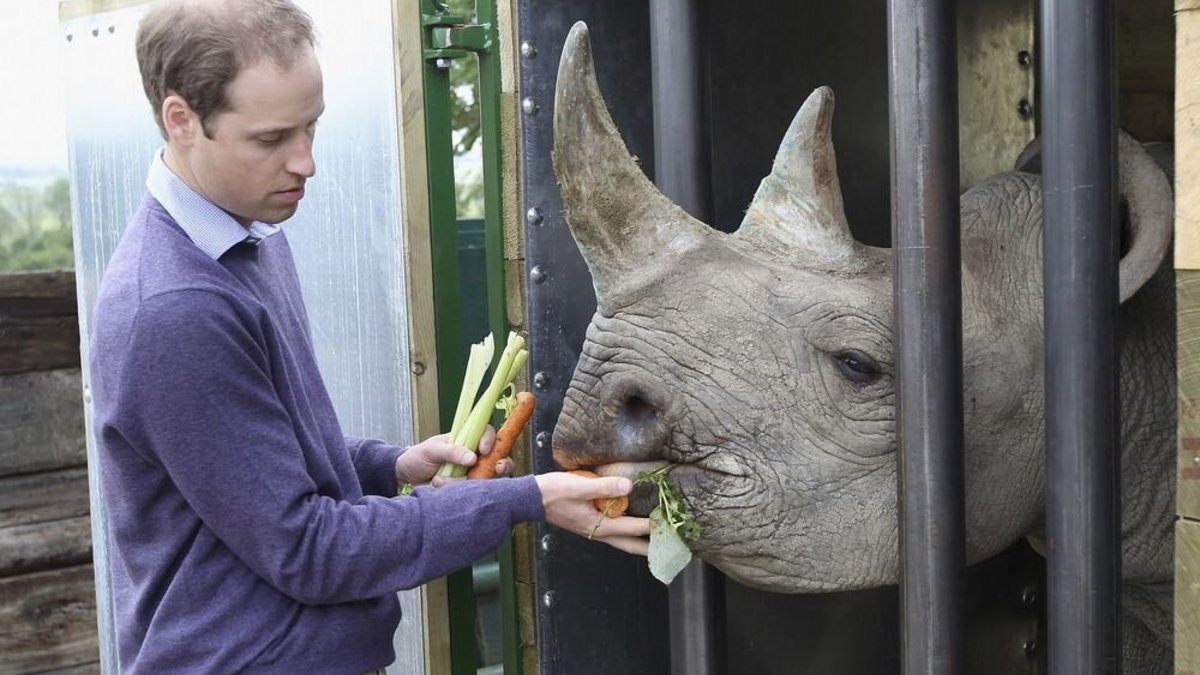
(209, 227)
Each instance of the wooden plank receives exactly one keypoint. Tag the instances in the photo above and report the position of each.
(1187, 289)
(39, 325)
(1187, 597)
(43, 497)
(41, 422)
(434, 615)
(48, 621)
(44, 521)
(37, 547)
(1187, 134)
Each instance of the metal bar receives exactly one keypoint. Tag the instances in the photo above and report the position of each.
(1081, 251)
(923, 89)
(497, 298)
(451, 351)
(696, 597)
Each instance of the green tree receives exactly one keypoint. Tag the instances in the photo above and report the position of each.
(57, 198)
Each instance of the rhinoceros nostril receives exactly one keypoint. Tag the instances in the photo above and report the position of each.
(640, 430)
(639, 410)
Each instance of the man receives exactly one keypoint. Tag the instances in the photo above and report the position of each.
(240, 536)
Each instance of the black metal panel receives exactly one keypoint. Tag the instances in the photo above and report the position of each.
(762, 63)
(598, 610)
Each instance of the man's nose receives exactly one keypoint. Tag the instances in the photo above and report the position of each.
(301, 161)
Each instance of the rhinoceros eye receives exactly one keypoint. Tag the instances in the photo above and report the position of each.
(857, 367)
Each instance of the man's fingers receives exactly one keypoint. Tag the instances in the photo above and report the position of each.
(611, 486)
(488, 441)
(624, 526)
(634, 545)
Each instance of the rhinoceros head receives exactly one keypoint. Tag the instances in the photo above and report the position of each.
(760, 363)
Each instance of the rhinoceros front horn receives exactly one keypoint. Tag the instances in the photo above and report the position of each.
(626, 229)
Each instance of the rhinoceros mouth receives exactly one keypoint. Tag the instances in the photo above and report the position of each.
(687, 477)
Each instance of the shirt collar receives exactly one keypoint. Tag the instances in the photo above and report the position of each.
(209, 227)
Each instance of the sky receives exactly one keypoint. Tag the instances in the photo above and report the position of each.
(32, 116)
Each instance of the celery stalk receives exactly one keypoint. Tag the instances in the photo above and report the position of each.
(468, 435)
(477, 365)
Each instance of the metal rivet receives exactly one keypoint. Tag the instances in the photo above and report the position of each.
(1031, 649)
(1028, 596)
(1024, 109)
(527, 49)
(70, 37)
(95, 32)
(1196, 459)
(542, 439)
(442, 64)
(541, 380)
(547, 542)
(548, 599)
(534, 216)
(528, 105)
(537, 274)
(112, 29)
(418, 368)
(1024, 58)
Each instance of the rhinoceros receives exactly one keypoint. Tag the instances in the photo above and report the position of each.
(760, 363)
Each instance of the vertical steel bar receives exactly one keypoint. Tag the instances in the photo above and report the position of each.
(923, 89)
(1081, 250)
(695, 598)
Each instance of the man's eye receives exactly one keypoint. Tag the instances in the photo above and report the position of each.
(270, 140)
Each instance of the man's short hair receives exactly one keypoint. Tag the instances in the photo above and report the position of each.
(195, 48)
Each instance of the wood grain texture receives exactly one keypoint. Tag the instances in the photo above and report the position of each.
(48, 621)
(41, 421)
(39, 324)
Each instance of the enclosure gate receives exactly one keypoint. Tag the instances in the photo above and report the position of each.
(590, 599)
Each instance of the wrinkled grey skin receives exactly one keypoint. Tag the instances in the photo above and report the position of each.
(761, 364)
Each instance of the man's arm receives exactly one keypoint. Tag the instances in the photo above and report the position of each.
(200, 403)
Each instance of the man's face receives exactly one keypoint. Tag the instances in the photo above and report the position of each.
(260, 154)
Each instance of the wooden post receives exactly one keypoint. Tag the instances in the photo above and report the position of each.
(1187, 279)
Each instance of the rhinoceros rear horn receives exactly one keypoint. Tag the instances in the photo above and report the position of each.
(797, 210)
(625, 227)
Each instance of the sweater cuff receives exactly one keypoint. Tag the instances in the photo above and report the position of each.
(375, 462)
(528, 506)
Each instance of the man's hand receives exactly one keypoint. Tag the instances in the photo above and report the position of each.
(419, 463)
(568, 502)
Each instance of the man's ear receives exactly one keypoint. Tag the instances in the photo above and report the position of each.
(180, 122)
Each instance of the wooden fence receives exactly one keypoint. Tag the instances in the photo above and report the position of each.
(47, 595)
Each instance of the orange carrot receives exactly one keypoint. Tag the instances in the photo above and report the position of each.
(612, 507)
(505, 438)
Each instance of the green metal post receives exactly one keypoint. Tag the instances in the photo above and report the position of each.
(489, 113)
(443, 222)
(448, 37)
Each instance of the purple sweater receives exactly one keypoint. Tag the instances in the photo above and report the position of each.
(240, 536)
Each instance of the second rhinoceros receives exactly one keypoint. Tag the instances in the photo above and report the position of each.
(760, 363)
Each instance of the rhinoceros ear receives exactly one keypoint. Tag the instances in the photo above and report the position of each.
(797, 210)
(626, 228)
(1147, 193)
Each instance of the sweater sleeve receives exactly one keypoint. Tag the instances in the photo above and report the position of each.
(199, 402)
(375, 463)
